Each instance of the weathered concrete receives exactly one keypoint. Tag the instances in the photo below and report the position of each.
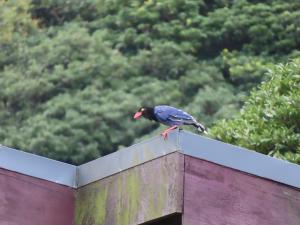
(143, 193)
(217, 195)
(25, 200)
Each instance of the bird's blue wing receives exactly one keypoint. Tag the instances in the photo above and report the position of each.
(172, 116)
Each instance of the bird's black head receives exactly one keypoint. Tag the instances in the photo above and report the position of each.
(146, 112)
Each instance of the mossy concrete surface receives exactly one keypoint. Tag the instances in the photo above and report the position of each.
(143, 193)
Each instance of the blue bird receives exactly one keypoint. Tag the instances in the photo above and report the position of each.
(169, 116)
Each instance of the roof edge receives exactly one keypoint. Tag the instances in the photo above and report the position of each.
(127, 158)
(240, 159)
(37, 166)
(178, 141)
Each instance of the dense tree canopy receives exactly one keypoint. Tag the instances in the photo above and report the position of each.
(269, 122)
(73, 72)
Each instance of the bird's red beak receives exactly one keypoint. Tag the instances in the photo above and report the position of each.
(137, 115)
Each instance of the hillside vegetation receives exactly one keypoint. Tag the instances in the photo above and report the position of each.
(72, 73)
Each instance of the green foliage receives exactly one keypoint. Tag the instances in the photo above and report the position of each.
(72, 73)
(16, 26)
(270, 120)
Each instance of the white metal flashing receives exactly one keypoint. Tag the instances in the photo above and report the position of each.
(240, 159)
(37, 166)
(126, 158)
(179, 141)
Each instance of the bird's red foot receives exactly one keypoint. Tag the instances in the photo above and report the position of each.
(164, 134)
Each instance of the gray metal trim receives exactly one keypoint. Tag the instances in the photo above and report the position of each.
(37, 166)
(240, 159)
(179, 141)
(126, 158)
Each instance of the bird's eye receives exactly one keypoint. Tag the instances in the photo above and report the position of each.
(143, 109)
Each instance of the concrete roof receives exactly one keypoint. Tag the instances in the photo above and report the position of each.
(179, 141)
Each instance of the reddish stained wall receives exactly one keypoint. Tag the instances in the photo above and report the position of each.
(215, 195)
(25, 200)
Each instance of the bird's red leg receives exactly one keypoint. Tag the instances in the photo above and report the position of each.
(165, 133)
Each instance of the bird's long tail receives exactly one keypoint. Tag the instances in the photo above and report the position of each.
(200, 127)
